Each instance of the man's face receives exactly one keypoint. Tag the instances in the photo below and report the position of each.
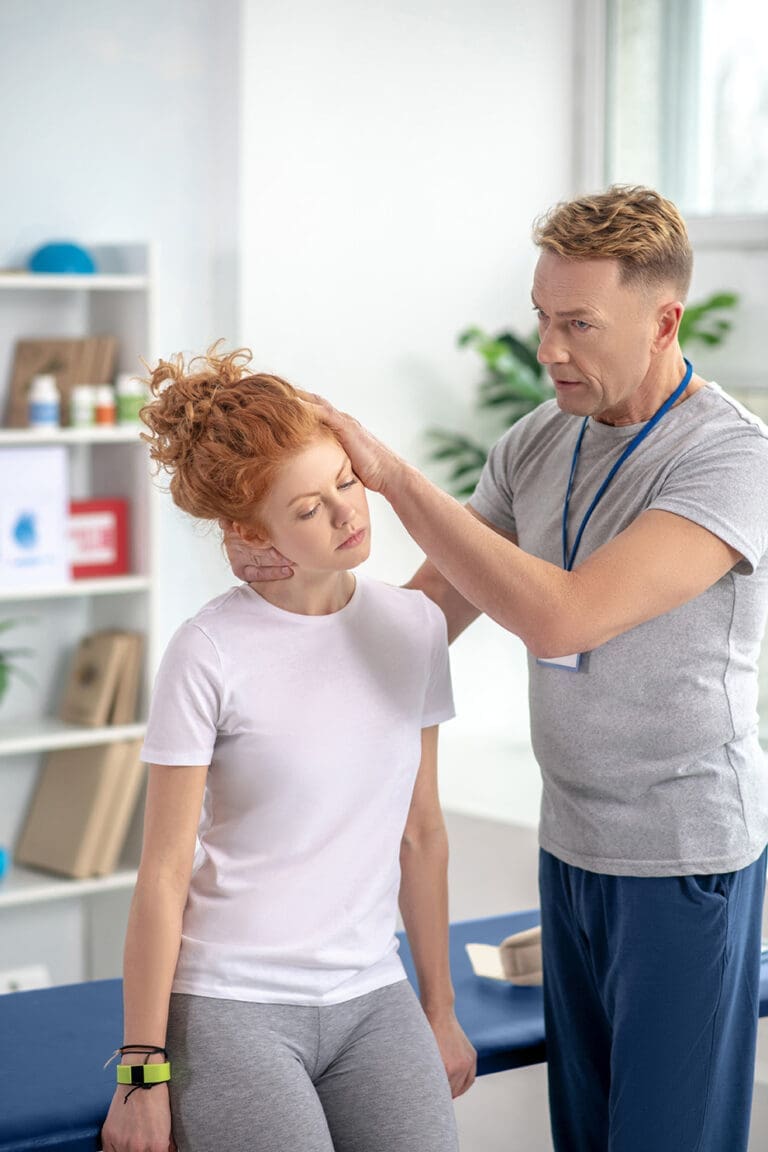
(596, 333)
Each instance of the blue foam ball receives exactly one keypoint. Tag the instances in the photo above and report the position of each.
(61, 257)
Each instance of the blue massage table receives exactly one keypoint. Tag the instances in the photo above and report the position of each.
(54, 1093)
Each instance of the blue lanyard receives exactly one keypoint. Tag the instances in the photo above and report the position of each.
(635, 442)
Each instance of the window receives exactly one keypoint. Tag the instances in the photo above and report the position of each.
(687, 102)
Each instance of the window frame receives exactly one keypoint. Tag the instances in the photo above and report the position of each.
(590, 122)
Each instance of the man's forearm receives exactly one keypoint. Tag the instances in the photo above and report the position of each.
(525, 595)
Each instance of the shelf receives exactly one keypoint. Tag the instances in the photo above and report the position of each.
(106, 586)
(35, 282)
(23, 886)
(111, 434)
(47, 733)
(101, 460)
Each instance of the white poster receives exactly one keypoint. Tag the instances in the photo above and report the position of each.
(34, 504)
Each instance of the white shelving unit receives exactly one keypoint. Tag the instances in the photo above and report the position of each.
(74, 928)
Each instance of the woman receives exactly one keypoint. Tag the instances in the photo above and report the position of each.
(292, 794)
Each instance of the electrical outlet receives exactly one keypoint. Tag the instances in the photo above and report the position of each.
(24, 979)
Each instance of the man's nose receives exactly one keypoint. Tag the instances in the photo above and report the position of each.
(551, 350)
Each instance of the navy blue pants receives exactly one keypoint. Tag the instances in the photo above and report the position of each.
(651, 1008)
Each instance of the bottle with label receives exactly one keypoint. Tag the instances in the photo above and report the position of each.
(131, 398)
(44, 403)
(104, 404)
(81, 405)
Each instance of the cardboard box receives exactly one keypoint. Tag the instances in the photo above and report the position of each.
(81, 809)
(34, 548)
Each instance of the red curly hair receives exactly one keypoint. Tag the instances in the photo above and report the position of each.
(223, 433)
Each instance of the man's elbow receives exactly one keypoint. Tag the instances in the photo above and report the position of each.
(552, 638)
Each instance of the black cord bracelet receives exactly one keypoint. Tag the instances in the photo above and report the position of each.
(145, 1050)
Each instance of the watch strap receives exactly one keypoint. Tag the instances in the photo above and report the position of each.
(140, 1074)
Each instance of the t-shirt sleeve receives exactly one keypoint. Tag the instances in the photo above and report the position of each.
(186, 701)
(438, 698)
(493, 496)
(723, 486)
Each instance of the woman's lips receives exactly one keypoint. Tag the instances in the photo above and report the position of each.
(353, 540)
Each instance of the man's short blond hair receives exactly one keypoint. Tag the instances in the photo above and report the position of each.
(628, 223)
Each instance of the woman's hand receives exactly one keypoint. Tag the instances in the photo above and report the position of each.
(251, 563)
(458, 1055)
(141, 1124)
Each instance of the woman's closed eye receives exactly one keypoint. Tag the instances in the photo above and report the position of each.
(341, 487)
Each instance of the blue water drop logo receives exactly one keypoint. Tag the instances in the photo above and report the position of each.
(25, 530)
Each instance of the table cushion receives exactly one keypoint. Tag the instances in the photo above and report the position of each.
(54, 1092)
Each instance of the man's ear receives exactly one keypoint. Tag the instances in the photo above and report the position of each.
(667, 324)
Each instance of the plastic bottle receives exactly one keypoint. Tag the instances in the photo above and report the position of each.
(44, 404)
(131, 398)
(104, 404)
(81, 405)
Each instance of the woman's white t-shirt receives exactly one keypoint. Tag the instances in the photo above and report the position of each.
(312, 729)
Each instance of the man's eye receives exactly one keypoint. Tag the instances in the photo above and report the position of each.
(308, 515)
(581, 325)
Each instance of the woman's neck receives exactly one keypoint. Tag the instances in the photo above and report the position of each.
(309, 593)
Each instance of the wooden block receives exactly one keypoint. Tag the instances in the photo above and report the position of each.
(129, 681)
(89, 694)
(77, 795)
(115, 827)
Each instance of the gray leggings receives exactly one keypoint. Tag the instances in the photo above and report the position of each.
(361, 1076)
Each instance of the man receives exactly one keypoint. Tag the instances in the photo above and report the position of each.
(621, 531)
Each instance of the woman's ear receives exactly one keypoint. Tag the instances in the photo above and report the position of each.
(251, 534)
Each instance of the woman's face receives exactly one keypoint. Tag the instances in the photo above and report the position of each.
(316, 513)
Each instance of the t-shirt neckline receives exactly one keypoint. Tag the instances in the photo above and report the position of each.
(627, 431)
(301, 617)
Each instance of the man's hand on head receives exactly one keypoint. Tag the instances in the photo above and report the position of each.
(371, 460)
(251, 563)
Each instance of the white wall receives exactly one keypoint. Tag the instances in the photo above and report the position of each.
(120, 123)
(393, 158)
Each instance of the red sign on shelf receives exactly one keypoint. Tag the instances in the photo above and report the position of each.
(98, 537)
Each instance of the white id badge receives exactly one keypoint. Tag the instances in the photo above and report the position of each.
(566, 663)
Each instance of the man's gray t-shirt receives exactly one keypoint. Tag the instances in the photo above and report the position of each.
(649, 753)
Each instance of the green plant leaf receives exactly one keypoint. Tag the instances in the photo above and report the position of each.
(8, 667)
(703, 322)
(472, 468)
(470, 336)
(453, 442)
(521, 351)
